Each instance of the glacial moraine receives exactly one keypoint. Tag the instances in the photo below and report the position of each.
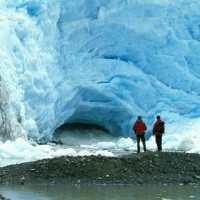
(144, 168)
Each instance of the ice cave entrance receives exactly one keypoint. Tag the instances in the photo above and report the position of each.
(76, 134)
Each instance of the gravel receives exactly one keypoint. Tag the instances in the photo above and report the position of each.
(144, 168)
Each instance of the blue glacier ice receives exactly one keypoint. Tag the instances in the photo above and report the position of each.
(99, 62)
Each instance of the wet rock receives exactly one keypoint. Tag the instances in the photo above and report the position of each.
(78, 181)
(3, 198)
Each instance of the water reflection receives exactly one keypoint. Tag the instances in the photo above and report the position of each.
(107, 192)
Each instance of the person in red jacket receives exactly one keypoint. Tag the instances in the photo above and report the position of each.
(158, 130)
(139, 128)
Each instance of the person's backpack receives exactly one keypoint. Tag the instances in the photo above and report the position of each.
(160, 127)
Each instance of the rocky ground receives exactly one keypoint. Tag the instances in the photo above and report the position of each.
(143, 168)
(3, 198)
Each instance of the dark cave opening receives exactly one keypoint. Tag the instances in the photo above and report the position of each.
(82, 127)
(76, 133)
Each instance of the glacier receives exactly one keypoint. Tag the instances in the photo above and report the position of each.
(101, 63)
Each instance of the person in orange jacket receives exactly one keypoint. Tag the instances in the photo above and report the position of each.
(158, 130)
(139, 128)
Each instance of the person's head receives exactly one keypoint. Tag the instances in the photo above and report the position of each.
(139, 117)
(158, 116)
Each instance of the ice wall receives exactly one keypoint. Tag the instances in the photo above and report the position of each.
(99, 62)
(29, 70)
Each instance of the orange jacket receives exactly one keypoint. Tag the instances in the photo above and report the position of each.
(155, 132)
(139, 127)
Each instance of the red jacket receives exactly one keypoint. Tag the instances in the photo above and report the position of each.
(155, 132)
(139, 127)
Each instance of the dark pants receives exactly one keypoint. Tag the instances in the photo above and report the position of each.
(143, 142)
(159, 142)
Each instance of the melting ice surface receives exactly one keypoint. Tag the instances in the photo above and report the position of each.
(99, 62)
